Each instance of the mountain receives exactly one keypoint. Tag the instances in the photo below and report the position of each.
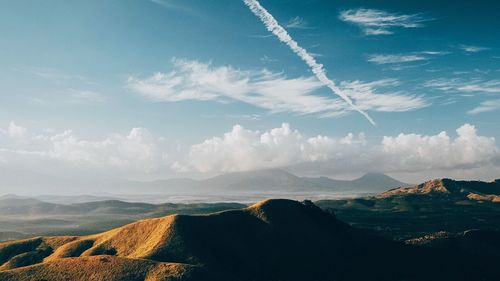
(271, 240)
(260, 180)
(370, 182)
(268, 180)
(473, 190)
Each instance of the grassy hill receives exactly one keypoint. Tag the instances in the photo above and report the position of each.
(271, 240)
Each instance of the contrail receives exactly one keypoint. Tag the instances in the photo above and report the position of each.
(317, 68)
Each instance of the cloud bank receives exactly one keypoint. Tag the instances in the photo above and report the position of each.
(139, 154)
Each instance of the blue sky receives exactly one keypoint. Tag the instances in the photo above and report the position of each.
(417, 67)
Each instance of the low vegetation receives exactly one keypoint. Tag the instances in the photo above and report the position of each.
(271, 240)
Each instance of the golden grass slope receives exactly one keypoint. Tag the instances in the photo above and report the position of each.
(101, 268)
(157, 240)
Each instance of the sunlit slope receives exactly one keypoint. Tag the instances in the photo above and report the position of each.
(473, 190)
(271, 240)
(102, 268)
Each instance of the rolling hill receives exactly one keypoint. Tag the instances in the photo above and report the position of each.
(25, 217)
(271, 240)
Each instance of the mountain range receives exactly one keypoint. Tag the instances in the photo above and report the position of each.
(267, 180)
(274, 180)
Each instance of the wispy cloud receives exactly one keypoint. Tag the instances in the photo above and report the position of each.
(65, 88)
(486, 106)
(398, 58)
(435, 53)
(56, 76)
(404, 58)
(374, 96)
(472, 49)
(68, 96)
(298, 23)
(378, 22)
(267, 59)
(465, 85)
(176, 6)
(273, 26)
(193, 80)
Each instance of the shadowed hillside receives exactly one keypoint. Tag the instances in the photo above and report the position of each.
(434, 206)
(271, 240)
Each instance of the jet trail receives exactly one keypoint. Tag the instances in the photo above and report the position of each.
(317, 68)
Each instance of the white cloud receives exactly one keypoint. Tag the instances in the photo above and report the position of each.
(465, 85)
(473, 49)
(68, 96)
(486, 106)
(435, 53)
(367, 97)
(414, 152)
(178, 6)
(134, 153)
(267, 59)
(193, 80)
(57, 76)
(377, 22)
(399, 58)
(15, 131)
(298, 23)
(242, 149)
(139, 154)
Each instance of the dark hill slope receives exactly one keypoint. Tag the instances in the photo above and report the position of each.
(271, 240)
(433, 206)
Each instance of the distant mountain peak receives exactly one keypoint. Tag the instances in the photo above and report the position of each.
(473, 190)
(373, 175)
